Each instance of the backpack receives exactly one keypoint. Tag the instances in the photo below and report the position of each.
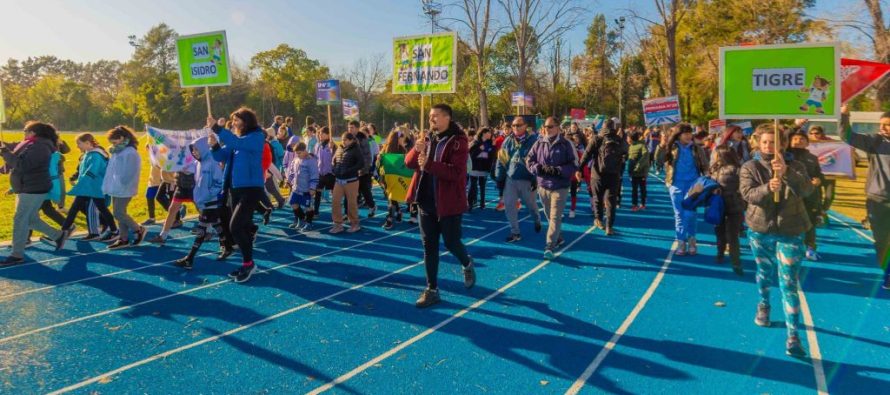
(611, 155)
(642, 164)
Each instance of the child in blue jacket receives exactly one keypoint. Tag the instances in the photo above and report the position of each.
(209, 179)
(88, 188)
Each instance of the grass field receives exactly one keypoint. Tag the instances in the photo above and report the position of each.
(137, 207)
(850, 200)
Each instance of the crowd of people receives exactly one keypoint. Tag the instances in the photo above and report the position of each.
(775, 200)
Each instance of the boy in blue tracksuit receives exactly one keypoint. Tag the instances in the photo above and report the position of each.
(206, 196)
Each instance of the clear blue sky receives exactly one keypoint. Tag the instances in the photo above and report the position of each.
(333, 31)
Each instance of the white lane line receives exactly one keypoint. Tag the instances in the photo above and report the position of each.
(815, 352)
(9, 296)
(109, 374)
(861, 233)
(186, 292)
(415, 339)
(581, 381)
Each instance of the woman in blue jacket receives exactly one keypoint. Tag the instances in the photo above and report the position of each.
(241, 150)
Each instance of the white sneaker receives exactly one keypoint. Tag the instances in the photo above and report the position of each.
(571, 213)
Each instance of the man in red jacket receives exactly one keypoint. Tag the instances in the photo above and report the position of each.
(438, 187)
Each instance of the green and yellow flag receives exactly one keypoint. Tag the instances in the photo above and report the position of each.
(395, 176)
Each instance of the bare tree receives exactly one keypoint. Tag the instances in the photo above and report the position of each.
(555, 61)
(537, 23)
(476, 19)
(672, 13)
(368, 75)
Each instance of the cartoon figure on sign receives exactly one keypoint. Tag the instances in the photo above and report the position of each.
(818, 93)
(404, 54)
(217, 51)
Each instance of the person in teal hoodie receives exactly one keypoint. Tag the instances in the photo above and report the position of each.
(518, 180)
(88, 188)
(209, 179)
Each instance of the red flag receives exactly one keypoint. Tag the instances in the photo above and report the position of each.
(858, 75)
(578, 113)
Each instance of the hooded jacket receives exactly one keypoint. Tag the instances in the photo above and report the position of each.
(209, 176)
(243, 157)
(91, 171)
(122, 174)
(788, 217)
(447, 155)
(302, 174)
(29, 166)
(324, 154)
(556, 152)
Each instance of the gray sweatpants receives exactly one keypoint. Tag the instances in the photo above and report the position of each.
(554, 202)
(27, 217)
(514, 191)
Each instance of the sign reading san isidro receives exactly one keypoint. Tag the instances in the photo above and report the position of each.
(425, 64)
(203, 60)
(780, 81)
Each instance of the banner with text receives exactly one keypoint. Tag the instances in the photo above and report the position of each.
(425, 64)
(780, 81)
(169, 149)
(660, 111)
(203, 60)
(327, 92)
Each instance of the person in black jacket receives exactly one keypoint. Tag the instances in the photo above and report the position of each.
(482, 156)
(606, 153)
(348, 161)
(725, 170)
(28, 166)
(799, 143)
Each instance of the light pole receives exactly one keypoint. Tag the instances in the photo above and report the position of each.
(135, 44)
(620, 22)
(432, 9)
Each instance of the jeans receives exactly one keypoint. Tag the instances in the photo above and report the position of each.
(449, 228)
(477, 187)
(772, 252)
(684, 220)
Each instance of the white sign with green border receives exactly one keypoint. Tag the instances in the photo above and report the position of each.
(786, 81)
(203, 60)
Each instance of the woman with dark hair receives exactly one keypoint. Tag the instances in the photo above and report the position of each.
(121, 183)
(347, 163)
(28, 166)
(734, 138)
(580, 143)
(684, 162)
(481, 156)
(243, 186)
(396, 143)
(725, 169)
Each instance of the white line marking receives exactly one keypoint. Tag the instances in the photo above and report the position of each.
(579, 383)
(861, 233)
(233, 331)
(815, 352)
(415, 339)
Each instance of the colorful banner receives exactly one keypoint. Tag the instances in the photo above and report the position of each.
(716, 125)
(169, 149)
(2, 106)
(660, 111)
(780, 81)
(835, 158)
(396, 176)
(578, 113)
(350, 110)
(327, 93)
(517, 98)
(203, 60)
(425, 64)
(858, 75)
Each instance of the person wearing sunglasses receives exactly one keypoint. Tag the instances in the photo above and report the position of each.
(552, 159)
(518, 180)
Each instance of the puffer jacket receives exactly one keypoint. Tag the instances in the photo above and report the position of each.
(515, 150)
(348, 161)
(788, 217)
(209, 177)
(91, 174)
(364, 146)
(557, 152)
(814, 170)
(728, 178)
(28, 166)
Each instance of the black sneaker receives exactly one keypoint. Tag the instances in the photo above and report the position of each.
(243, 273)
(372, 211)
(794, 348)
(92, 237)
(537, 227)
(428, 298)
(469, 274)
(110, 236)
(387, 224)
(12, 260)
(60, 242)
(267, 217)
(225, 253)
(118, 244)
(559, 243)
(158, 239)
(140, 235)
(399, 217)
(176, 225)
(184, 263)
(514, 237)
(150, 221)
(548, 253)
